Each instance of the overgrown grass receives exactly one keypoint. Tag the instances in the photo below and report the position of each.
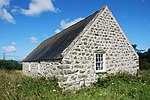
(120, 87)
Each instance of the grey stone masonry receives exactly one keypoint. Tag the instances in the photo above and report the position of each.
(77, 67)
(43, 68)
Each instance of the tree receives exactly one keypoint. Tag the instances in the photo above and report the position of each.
(144, 58)
(10, 65)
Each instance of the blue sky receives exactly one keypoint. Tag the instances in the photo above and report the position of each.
(26, 23)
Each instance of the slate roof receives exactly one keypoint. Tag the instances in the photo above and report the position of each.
(51, 48)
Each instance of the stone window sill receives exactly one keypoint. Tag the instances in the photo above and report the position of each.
(100, 71)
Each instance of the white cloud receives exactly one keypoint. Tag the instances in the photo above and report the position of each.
(13, 43)
(16, 10)
(9, 49)
(36, 7)
(65, 23)
(45, 35)
(33, 39)
(57, 30)
(4, 3)
(7, 16)
(4, 14)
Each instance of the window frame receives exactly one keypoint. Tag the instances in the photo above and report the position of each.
(29, 67)
(104, 64)
(39, 67)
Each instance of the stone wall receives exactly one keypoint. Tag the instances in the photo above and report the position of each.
(102, 35)
(77, 68)
(47, 69)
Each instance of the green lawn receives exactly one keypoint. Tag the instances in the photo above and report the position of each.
(14, 86)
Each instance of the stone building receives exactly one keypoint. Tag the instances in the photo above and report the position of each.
(94, 47)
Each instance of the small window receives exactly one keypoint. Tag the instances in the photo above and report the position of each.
(29, 67)
(99, 62)
(39, 68)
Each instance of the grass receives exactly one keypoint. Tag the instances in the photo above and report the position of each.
(13, 85)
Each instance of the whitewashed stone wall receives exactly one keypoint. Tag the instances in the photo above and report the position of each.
(102, 35)
(47, 69)
(77, 69)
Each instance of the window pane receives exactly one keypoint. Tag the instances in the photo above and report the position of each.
(97, 68)
(101, 55)
(96, 55)
(102, 59)
(97, 59)
(101, 68)
(97, 64)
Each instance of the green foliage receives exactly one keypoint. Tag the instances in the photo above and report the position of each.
(127, 86)
(119, 87)
(144, 58)
(37, 88)
(144, 64)
(104, 82)
(10, 65)
(13, 86)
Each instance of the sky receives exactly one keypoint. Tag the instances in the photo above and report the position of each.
(24, 24)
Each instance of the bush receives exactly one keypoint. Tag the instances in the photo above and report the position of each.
(144, 60)
(10, 65)
(123, 77)
(144, 64)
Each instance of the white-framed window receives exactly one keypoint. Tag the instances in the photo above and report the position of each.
(99, 62)
(39, 67)
(29, 67)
